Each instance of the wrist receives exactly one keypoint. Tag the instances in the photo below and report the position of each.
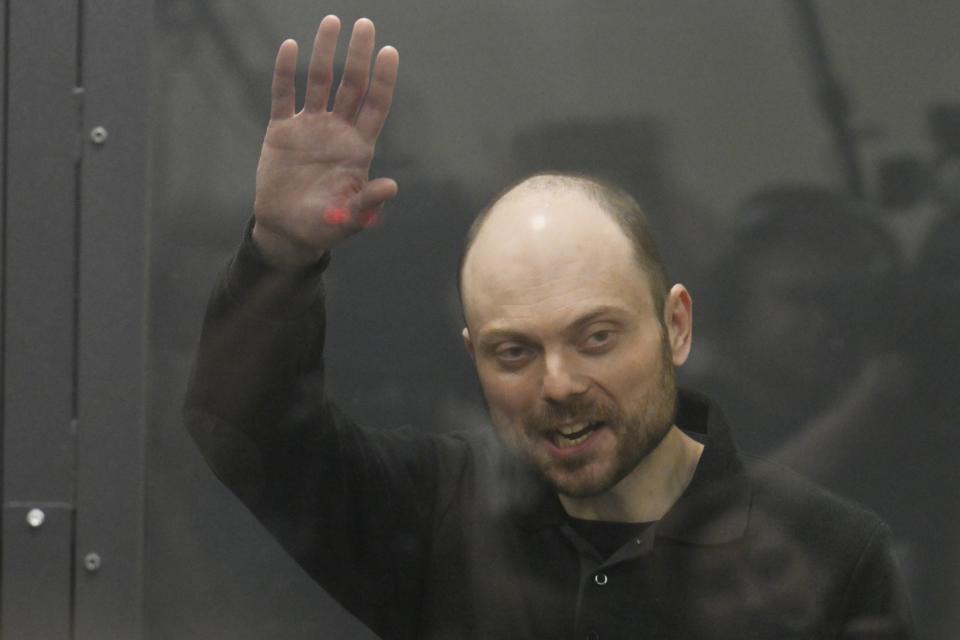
(282, 253)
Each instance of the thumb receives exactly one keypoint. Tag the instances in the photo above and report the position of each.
(373, 196)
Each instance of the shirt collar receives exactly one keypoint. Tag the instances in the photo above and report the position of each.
(714, 508)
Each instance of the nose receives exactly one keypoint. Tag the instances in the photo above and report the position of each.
(561, 380)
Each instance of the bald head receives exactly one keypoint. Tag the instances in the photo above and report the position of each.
(552, 221)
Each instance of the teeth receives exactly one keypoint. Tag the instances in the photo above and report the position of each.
(569, 430)
(564, 442)
(572, 435)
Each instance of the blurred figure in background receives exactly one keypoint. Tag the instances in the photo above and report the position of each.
(797, 306)
(829, 364)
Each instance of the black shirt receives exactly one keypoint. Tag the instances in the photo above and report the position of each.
(447, 536)
(607, 537)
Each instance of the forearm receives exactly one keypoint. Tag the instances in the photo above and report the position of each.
(256, 405)
(256, 409)
(261, 348)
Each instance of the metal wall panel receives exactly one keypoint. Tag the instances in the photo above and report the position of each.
(39, 313)
(3, 217)
(40, 246)
(112, 320)
(37, 605)
(74, 321)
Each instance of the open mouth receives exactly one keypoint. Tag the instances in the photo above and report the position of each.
(574, 434)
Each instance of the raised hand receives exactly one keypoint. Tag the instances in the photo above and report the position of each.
(313, 186)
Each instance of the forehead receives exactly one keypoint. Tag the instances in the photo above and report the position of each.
(547, 255)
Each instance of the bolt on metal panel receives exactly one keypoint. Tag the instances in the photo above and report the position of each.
(112, 320)
(36, 563)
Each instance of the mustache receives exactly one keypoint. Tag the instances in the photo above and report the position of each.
(552, 415)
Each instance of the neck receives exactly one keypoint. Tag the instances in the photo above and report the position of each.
(650, 490)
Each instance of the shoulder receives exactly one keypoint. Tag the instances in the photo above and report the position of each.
(826, 523)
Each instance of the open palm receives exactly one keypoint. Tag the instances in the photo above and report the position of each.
(313, 187)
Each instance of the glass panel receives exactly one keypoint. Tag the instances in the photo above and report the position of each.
(826, 320)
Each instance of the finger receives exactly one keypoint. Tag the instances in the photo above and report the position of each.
(370, 218)
(356, 70)
(372, 197)
(320, 73)
(282, 91)
(364, 208)
(377, 103)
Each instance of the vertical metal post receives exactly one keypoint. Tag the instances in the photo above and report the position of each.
(112, 319)
(73, 262)
(831, 97)
(39, 271)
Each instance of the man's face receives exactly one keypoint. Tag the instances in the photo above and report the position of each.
(576, 366)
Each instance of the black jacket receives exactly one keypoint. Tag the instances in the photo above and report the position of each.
(446, 536)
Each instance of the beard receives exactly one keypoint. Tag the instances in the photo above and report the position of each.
(637, 430)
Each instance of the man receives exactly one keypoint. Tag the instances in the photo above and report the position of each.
(600, 507)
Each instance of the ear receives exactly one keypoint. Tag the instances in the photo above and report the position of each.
(678, 319)
(468, 343)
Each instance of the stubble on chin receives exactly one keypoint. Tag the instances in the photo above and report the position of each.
(636, 437)
(637, 433)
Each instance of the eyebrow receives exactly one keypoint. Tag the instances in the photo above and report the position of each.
(595, 315)
(489, 339)
(502, 335)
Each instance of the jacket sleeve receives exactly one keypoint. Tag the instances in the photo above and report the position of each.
(877, 607)
(354, 507)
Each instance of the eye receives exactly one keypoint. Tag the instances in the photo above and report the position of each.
(599, 341)
(513, 356)
(600, 337)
